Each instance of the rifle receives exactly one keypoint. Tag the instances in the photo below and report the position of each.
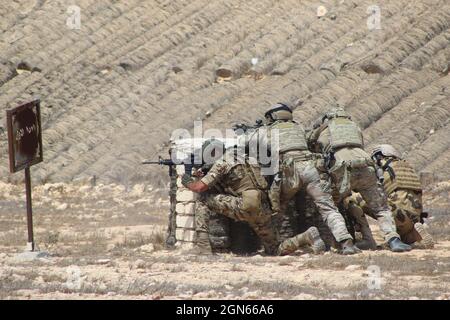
(328, 159)
(188, 164)
(246, 127)
(171, 228)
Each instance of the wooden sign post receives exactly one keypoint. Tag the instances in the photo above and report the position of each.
(25, 149)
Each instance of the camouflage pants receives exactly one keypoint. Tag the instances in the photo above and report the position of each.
(231, 206)
(300, 175)
(406, 208)
(356, 207)
(364, 181)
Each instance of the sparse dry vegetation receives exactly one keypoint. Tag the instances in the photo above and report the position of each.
(156, 238)
(113, 91)
(114, 261)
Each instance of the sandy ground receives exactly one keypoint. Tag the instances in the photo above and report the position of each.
(106, 242)
(114, 88)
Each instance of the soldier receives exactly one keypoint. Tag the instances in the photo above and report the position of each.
(243, 198)
(404, 190)
(297, 171)
(340, 140)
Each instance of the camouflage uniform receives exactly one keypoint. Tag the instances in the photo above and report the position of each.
(298, 172)
(402, 185)
(406, 210)
(406, 206)
(404, 195)
(352, 168)
(244, 199)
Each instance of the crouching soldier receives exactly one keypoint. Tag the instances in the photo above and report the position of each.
(297, 171)
(351, 168)
(404, 191)
(242, 197)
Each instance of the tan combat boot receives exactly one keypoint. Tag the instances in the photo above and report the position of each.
(315, 240)
(202, 244)
(348, 247)
(309, 237)
(427, 239)
(367, 242)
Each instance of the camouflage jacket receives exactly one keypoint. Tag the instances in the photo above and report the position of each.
(234, 173)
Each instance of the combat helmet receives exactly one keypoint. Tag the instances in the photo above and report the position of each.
(212, 150)
(279, 111)
(386, 150)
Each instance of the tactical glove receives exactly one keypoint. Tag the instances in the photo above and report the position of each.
(186, 179)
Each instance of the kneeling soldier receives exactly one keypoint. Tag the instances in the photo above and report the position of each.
(242, 197)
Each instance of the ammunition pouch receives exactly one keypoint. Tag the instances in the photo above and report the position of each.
(254, 173)
(251, 201)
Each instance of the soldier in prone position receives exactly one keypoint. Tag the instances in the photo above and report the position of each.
(297, 171)
(243, 198)
(351, 168)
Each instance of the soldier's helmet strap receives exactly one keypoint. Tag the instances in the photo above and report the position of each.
(387, 167)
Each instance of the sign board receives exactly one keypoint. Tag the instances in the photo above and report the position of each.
(24, 136)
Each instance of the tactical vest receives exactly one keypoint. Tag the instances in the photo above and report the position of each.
(344, 133)
(253, 173)
(245, 177)
(291, 136)
(249, 184)
(405, 178)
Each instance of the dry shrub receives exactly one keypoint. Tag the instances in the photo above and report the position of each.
(156, 237)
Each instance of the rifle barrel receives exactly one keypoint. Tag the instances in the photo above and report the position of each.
(161, 162)
(150, 162)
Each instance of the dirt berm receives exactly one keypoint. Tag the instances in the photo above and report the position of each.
(113, 91)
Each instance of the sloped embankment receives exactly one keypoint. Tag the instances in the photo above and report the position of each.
(113, 91)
